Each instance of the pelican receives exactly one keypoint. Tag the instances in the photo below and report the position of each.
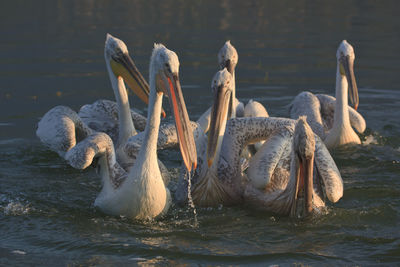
(219, 178)
(227, 58)
(116, 119)
(61, 128)
(281, 175)
(207, 190)
(332, 119)
(141, 193)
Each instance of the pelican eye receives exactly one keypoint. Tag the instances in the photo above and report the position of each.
(117, 56)
(118, 52)
(168, 67)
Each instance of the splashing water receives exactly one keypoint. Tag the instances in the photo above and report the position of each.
(190, 199)
(16, 209)
(370, 139)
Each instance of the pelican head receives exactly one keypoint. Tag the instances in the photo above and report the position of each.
(228, 57)
(304, 147)
(164, 64)
(345, 57)
(121, 64)
(222, 91)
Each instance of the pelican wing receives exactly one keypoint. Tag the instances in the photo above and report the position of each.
(102, 116)
(328, 109)
(167, 139)
(307, 104)
(240, 132)
(328, 171)
(262, 165)
(61, 128)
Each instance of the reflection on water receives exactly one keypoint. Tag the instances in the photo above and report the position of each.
(51, 53)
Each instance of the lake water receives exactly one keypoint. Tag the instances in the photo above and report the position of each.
(51, 53)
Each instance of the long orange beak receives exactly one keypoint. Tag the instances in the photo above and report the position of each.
(304, 180)
(182, 123)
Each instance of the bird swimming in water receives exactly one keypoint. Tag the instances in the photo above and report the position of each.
(331, 118)
(272, 172)
(140, 193)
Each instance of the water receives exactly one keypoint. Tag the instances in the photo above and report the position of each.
(51, 53)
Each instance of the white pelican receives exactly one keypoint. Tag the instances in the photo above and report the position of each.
(281, 177)
(141, 193)
(206, 187)
(227, 58)
(271, 170)
(116, 119)
(59, 128)
(332, 119)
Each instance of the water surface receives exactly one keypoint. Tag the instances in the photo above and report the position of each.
(51, 53)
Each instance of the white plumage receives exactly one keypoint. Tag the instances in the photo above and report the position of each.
(271, 178)
(227, 58)
(136, 191)
(60, 125)
(141, 192)
(331, 118)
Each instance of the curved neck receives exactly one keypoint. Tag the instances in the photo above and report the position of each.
(98, 145)
(126, 128)
(148, 150)
(111, 173)
(341, 115)
(240, 132)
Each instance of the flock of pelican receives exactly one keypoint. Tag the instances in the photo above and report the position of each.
(233, 154)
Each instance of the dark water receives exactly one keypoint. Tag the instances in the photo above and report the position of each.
(51, 53)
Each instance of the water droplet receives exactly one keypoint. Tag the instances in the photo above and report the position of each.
(190, 199)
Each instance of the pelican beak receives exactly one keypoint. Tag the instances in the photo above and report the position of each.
(182, 123)
(304, 183)
(219, 112)
(122, 65)
(229, 66)
(308, 184)
(348, 69)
